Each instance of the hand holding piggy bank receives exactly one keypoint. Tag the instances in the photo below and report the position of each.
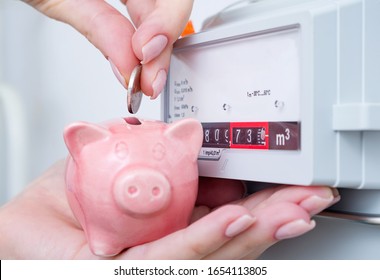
(129, 182)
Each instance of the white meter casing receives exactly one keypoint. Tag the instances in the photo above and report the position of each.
(287, 92)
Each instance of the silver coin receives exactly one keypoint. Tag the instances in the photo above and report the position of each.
(134, 93)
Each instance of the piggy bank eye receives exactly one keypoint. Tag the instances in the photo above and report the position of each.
(121, 150)
(159, 151)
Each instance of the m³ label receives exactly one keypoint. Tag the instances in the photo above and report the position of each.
(284, 136)
(252, 135)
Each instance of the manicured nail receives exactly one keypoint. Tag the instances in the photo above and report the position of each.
(294, 229)
(158, 83)
(335, 200)
(336, 195)
(153, 48)
(315, 204)
(118, 74)
(239, 225)
(335, 192)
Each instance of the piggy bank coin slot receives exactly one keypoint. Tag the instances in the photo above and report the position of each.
(132, 121)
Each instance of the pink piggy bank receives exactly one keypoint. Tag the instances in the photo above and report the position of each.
(129, 182)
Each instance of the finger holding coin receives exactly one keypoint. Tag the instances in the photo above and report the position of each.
(134, 93)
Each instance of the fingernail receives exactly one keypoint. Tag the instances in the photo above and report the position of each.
(153, 48)
(118, 74)
(294, 229)
(315, 204)
(158, 83)
(336, 195)
(335, 192)
(239, 225)
(335, 200)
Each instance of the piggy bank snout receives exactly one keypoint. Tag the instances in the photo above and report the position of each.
(142, 191)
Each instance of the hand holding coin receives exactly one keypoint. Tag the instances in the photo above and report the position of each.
(134, 93)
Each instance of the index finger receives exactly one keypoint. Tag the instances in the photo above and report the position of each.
(198, 240)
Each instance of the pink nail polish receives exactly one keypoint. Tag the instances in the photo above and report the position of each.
(315, 204)
(158, 83)
(335, 200)
(153, 48)
(239, 225)
(335, 192)
(118, 74)
(294, 229)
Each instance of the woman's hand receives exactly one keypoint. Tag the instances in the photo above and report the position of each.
(159, 23)
(39, 224)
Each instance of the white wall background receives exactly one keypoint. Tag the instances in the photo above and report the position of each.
(50, 76)
(56, 77)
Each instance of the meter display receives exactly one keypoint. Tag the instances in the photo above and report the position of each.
(252, 135)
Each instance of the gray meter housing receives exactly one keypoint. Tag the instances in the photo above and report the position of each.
(287, 92)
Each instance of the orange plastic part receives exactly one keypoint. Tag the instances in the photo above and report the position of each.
(189, 29)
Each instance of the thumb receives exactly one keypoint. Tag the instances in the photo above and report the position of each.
(167, 18)
(159, 26)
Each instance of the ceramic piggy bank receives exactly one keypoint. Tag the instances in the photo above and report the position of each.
(129, 181)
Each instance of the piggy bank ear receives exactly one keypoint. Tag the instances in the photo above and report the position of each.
(189, 132)
(77, 135)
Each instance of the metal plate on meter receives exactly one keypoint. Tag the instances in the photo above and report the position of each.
(250, 79)
(246, 93)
